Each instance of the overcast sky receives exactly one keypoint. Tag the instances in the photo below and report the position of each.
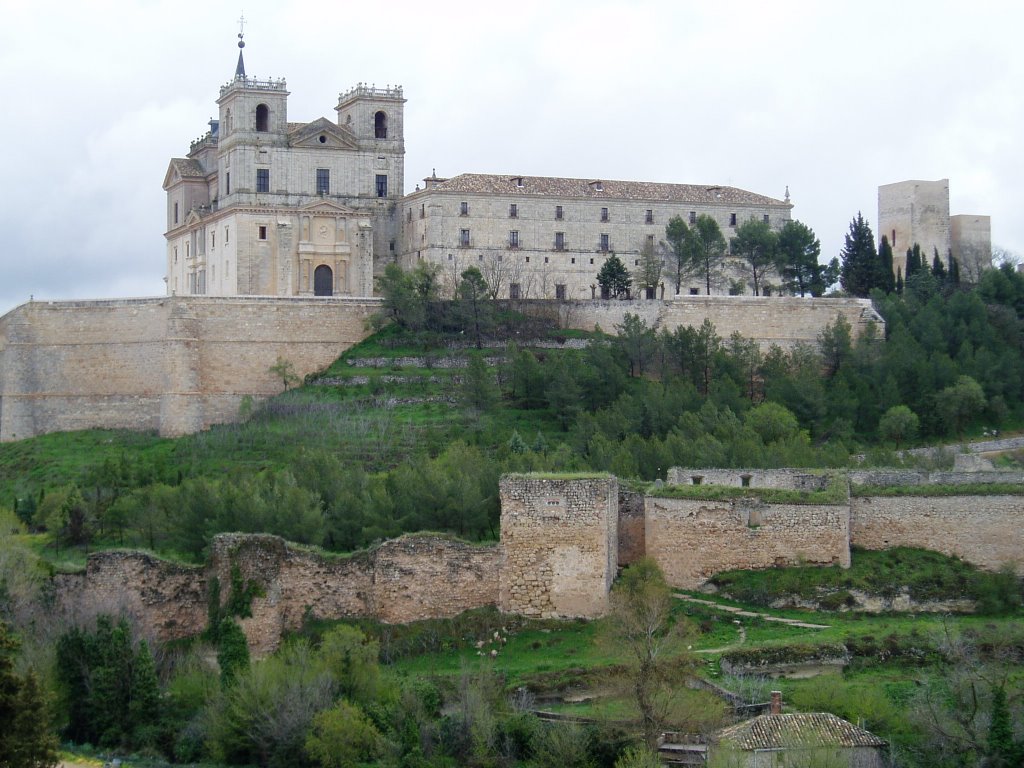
(829, 98)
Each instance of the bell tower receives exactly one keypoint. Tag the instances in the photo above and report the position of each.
(253, 120)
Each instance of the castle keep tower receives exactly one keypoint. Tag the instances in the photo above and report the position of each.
(264, 206)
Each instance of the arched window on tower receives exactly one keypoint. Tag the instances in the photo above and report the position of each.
(380, 125)
(262, 118)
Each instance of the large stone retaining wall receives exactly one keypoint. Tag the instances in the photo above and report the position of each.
(561, 544)
(693, 539)
(173, 364)
(783, 320)
(983, 530)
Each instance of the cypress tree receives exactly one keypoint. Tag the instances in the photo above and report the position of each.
(954, 271)
(938, 268)
(899, 281)
(885, 274)
(25, 738)
(860, 270)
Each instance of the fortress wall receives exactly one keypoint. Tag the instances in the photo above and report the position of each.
(175, 364)
(790, 479)
(165, 600)
(561, 545)
(983, 530)
(782, 320)
(694, 539)
(632, 545)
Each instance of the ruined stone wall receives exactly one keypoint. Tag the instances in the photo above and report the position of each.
(791, 479)
(632, 544)
(560, 541)
(693, 539)
(888, 478)
(983, 530)
(172, 364)
(166, 601)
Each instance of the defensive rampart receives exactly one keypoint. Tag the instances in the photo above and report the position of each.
(173, 364)
(693, 539)
(563, 539)
(782, 320)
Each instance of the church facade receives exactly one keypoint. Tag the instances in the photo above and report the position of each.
(264, 206)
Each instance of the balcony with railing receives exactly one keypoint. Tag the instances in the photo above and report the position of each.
(254, 83)
(364, 91)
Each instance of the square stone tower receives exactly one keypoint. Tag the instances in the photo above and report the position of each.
(560, 537)
(915, 212)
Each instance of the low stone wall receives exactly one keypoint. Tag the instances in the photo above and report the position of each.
(693, 539)
(561, 544)
(890, 478)
(983, 530)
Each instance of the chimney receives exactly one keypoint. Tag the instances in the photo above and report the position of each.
(776, 706)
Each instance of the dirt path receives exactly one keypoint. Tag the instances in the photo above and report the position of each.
(744, 614)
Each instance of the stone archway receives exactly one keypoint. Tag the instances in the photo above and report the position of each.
(323, 281)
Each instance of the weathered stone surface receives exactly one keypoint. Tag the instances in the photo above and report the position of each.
(694, 539)
(561, 545)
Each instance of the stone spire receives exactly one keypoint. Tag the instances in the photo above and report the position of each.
(240, 67)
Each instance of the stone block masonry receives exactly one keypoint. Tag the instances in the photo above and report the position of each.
(693, 539)
(173, 364)
(560, 541)
(983, 530)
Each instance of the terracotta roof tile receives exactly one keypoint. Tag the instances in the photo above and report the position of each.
(814, 729)
(187, 167)
(545, 186)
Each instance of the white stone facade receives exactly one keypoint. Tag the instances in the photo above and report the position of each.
(263, 206)
(538, 237)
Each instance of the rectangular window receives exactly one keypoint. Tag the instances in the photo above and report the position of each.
(213, 240)
(227, 183)
(604, 242)
(558, 212)
(175, 254)
(732, 219)
(262, 179)
(766, 218)
(423, 210)
(408, 215)
(464, 238)
(227, 233)
(650, 243)
(463, 208)
(382, 185)
(559, 241)
(649, 217)
(323, 181)
(560, 291)
(262, 233)
(175, 213)
(391, 246)
(693, 217)
(513, 290)
(604, 214)
(513, 211)
(513, 238)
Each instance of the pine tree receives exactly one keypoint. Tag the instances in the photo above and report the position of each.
(861, 268)
(25, 738)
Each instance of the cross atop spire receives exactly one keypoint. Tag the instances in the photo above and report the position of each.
(240, 67)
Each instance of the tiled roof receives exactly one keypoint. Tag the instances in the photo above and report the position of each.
(187, 167)
(815, 729)
(547, 186)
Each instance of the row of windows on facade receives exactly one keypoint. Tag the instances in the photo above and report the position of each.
(603, 244)
(547, 260)
(513, 213)
(261, 234)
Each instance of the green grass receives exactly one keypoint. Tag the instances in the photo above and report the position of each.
(965, 489)
(927, 575)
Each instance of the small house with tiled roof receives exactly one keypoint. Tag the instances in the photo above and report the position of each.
(782, 739)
